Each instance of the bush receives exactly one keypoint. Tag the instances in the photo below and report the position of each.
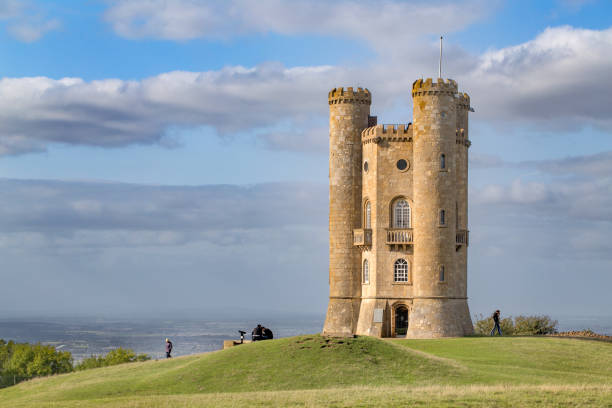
(113, 357)
(534, 325)
(22, 361)
(521, 325)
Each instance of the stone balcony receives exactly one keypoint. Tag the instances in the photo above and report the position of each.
(362, 237)
(399, 236)
(462, 238)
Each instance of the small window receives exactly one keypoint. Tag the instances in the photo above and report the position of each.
(442, 161)
(365, 166)
(401, 214)
(366, 272)
(442, 277)
(442, 217)
(402, 165)
(368, 215)
(456, 215)
(400, 271)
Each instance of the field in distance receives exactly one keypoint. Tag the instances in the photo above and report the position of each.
(315, 371)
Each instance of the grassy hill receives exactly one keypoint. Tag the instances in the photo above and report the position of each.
(314, 371)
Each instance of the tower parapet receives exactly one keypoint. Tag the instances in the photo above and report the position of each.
(463, 101)
(422, 87)
(388, 132)
(349, 95)
(399, 130)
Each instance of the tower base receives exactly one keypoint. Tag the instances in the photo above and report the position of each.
(341, 319)
(431, 318)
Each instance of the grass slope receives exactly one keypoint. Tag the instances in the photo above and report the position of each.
(313, 371)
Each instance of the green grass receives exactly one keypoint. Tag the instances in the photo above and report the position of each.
(314, 371)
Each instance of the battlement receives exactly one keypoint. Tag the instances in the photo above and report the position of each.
(349, 95)
(429, 87)
(463, 101)
(395, 132)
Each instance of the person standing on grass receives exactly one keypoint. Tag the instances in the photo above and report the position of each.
(496, 321)
(168, 348)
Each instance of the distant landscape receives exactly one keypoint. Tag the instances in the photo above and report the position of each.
(86, 336)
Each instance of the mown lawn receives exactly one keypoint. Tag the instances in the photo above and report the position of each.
(314, 371)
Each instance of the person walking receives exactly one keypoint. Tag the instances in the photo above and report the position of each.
(496, 326)
(168, 348)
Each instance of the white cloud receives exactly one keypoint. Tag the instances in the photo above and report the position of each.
(30, 31)
(117, 214)
(10, 8)
(185, 245)
(38, 111)
(26, 20)
(573, 190)
(557, 81)
(389, 24)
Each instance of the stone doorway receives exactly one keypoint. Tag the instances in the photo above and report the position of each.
(401, 320)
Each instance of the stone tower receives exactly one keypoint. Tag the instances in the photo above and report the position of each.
(349, 111)
(398, 216)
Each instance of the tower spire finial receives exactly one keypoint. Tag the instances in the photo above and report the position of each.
(440, 65)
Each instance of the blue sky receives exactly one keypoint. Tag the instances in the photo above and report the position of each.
(129, 128)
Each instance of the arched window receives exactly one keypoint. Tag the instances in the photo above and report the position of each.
(442, 161)
(442, 277)
(366, 271)
(401, 214)
(442, 217)
(400, 271)
(368, 215)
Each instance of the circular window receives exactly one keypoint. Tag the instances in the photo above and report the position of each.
(365, 166)
(402, 165)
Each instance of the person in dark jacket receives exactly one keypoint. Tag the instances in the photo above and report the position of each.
(257, 333)
(496, 326)
(168, 348)
(267, 334)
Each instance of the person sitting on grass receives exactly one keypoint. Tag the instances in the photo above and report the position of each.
(257, 333)
(267, 334)
(496, 321)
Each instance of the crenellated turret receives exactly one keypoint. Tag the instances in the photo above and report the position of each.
(349, 111)
(440, 305)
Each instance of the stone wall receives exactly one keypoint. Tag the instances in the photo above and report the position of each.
(349, 111)
(440, 306)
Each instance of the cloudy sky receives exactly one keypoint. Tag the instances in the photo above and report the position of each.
(170, 156)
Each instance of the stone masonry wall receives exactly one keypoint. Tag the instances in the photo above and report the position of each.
(349, 110)
(439, 306)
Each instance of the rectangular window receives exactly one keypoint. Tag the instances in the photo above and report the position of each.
(442, 217)
(442, 277)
